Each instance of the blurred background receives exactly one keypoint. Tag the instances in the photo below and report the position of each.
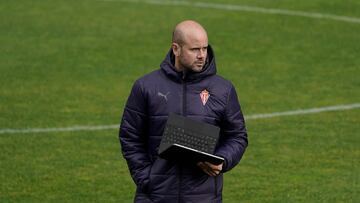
(65, 64)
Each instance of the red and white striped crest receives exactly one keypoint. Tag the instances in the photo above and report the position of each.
(204, 95)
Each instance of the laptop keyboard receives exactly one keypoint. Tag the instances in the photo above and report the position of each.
(189, 139)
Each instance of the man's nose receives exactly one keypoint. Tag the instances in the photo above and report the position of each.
(201, 54)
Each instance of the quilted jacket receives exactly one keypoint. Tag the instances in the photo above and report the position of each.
(152, 98)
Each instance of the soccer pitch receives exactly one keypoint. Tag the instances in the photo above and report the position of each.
(72, 63)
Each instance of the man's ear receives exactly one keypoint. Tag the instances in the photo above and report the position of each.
(176, 49)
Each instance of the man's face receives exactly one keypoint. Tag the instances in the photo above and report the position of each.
(193, 53)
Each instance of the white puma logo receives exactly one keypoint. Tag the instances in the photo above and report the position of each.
(163, 95)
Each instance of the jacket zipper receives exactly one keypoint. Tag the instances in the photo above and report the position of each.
(179, 192)
(215, 178)
(184, 114)
(184, 94)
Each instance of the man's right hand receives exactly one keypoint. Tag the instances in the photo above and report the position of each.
(210, 169)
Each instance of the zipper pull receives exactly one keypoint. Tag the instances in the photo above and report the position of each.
(184, 74)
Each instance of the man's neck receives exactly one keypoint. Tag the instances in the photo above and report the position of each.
(178, 67)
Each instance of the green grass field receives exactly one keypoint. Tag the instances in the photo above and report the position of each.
(68, 63)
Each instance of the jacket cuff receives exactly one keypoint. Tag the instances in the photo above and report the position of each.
(225, 163)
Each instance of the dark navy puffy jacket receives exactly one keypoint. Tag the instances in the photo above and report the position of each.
(152, 98)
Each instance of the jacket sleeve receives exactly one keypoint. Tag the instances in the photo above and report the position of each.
(133, 138)
(233, 136)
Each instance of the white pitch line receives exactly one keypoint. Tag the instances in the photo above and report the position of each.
(234, 7)
(116, 126)
(304, 111)
(64, 129)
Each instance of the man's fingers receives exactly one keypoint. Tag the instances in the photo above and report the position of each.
(210, 172)
(201, 165)
(214, 167)
(204, 168)
(208, 169)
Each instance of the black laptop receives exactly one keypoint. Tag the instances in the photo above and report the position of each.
(188, 140)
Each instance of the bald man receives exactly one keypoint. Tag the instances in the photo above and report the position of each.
(189, 46)
(185, 84)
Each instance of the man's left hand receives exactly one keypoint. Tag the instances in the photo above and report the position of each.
(210, 169)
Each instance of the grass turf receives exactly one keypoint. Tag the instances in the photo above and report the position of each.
(67, 63)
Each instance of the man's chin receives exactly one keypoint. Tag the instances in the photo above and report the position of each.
(197, 68)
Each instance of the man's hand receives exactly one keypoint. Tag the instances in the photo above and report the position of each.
(210, 169)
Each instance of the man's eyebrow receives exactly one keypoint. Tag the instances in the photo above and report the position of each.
(199, 47)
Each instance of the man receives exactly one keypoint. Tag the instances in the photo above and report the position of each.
(186, 84)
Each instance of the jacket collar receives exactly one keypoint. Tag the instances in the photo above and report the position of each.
(167, 66)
